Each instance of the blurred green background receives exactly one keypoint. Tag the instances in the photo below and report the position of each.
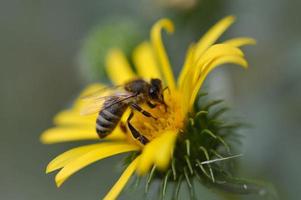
(41, 72)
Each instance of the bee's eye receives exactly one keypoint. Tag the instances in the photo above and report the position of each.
(152, 93)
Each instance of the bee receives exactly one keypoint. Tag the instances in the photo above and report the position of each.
(131, 95)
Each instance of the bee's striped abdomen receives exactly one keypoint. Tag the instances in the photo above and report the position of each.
(109, 117)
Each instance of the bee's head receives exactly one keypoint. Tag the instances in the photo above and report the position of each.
(156, 91)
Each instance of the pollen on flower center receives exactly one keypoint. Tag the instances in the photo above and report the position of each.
(171, 118)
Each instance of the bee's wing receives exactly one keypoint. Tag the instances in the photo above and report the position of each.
(94, 103)
(104, 91)
(120, 98)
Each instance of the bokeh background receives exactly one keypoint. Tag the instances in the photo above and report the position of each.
(43, 66)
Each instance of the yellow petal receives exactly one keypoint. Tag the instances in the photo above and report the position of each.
(239, 60)
(196, 69)
(118, 68)
(160, 50)
(165, 151)
(73, 117)
(185, 80)
(189, 58)
(145, 61)
(75, 133)
(203, 44)
(99, 153)
(66, 157)
(158, 152)
(147, 158)
(65, 134)
(214, 51)
(213, 34)
(119, 185)
(242, 41)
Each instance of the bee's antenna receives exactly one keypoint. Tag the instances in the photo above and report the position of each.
(166, 88)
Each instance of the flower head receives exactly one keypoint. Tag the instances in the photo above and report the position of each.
(180, 131)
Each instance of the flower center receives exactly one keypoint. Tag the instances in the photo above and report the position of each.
(171, 118)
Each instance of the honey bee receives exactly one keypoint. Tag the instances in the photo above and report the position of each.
(111, 107)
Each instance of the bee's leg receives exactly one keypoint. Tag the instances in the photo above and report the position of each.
(145, 113)
(123, 127)
(151, 105)
(134, 132)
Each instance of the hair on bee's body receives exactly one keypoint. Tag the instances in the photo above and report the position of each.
(136, 92)
(109, 117)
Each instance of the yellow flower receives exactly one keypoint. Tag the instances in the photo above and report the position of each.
(151, 61)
